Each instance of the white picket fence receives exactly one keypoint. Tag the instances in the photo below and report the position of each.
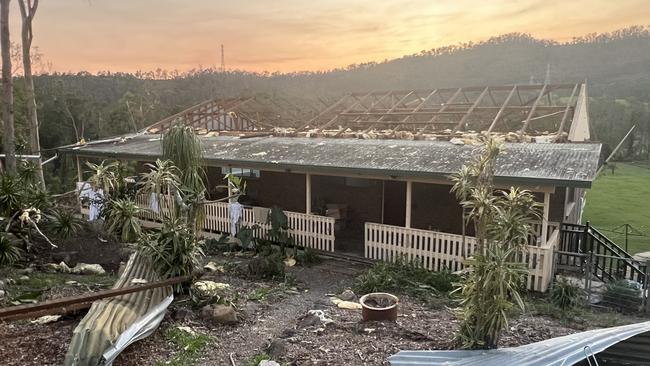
(437, 251)
(310, 231)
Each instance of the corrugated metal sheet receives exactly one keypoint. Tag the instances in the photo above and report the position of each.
(562, 163)
(624, 345)
(108, 319)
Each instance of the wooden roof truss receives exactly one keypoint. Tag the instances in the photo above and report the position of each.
(239, 114)
(522, 109)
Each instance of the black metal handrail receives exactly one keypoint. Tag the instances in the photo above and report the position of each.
(611, 261)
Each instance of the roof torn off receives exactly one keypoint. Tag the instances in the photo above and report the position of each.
(517, 113)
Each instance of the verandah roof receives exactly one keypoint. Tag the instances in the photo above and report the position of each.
(557, 164)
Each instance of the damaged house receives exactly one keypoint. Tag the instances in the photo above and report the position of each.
(368, 175)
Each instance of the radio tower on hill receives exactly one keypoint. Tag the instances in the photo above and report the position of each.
(223, 60)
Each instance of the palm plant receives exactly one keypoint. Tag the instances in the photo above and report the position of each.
(162, 178)
(501, 223)
(104, 176)
(122, 219)
(9, 253)
(174, 250)
(182, 147)
(64, 223)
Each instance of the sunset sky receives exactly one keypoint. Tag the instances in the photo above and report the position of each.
(292, 35)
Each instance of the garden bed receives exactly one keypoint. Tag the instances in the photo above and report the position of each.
(274, 321)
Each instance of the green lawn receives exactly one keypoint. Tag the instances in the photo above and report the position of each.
(619, 198)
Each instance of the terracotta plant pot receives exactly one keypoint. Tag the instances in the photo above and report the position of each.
(379, 306)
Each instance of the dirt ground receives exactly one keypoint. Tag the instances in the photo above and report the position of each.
(278, 319)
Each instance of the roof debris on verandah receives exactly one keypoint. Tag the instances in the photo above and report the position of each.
(568, 164)
(518, 112)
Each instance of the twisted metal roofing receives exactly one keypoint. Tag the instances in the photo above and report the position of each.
(624, 345)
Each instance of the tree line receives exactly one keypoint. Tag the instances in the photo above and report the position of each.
(75, 106)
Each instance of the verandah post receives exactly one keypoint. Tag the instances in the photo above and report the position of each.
(308, 194)
(409, 194)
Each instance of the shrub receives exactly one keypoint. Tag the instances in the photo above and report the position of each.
(11, 195)
(38, 198)
(267, 266)
(9, 253)
(308, 257)
(121, 219)
(404, 277)
(64, 223)
(622, 295)
(565, 294)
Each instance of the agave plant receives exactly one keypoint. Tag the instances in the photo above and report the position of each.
(174, 250)
(64, 223)
(9, 253)
(121, 217)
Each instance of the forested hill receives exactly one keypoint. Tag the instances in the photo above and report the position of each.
(616, 66)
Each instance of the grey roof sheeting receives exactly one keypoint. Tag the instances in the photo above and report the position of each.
(624, 345)
(571, 164)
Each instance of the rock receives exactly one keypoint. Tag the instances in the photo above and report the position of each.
(71, 282)
(2, 294)
(10, 281)
(46, 319)
(277, 348)
(2, 285)
(61, 267)
(213, 267)
(181, 314)
(27, 271)
(310, 320)
(88, 269)
(219, 314)
(268, 363)
(23, 278)
(321, 316)
(347, 295)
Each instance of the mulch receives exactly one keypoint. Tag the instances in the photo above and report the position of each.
(276, 321)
